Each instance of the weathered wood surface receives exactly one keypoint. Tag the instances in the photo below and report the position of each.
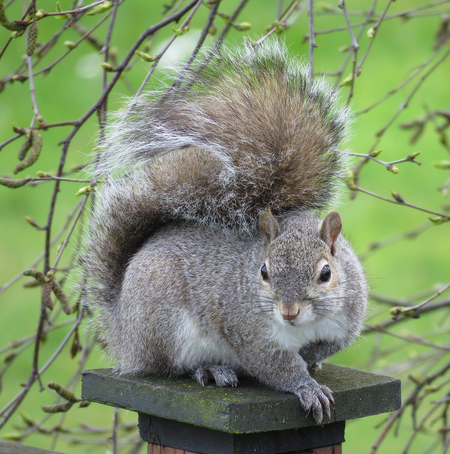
(250, 407)
(7, 447)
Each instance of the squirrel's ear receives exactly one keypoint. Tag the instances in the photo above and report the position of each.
(330, 229)
(268, 225)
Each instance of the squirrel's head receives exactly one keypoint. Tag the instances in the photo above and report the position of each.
(301, 269)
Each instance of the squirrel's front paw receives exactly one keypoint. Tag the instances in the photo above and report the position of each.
(222, 375)
(316, 398)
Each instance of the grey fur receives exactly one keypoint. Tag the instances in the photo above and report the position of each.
(178, 238)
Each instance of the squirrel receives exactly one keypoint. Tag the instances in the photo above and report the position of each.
(204, 253)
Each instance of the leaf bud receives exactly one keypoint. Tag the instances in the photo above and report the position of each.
(413, 156)
(347, 81)
(70, 44)
(17, 34)
(445, 165)
(107, 67)
(85, 190)
(375, 153)
(395, 311)
(280, 27)
(392, 168)
(430, 389)
(439, 220)
(105, 6)
(397, 197)
(181, 31)
(18, 130)
(144, 56)
(326, 6)
(244, 26)
(350, 180)
(225, 17)
(31, 221)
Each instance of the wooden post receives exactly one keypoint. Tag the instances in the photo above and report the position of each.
(157, 449)
(9, 447)
(178, 416)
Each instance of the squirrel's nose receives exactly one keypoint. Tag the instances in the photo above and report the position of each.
(290, 312)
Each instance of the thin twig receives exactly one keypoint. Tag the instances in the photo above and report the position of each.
(228, 26)
(312, 42)
(375, 32)
(429, 308)
(203, 35)
(115, 425)
(414, 310)
(41, 256)
(410, 205)
(354, 47)
(186, 22)
(69, 234)
(408, 79)
(361, 31)
(405, 104)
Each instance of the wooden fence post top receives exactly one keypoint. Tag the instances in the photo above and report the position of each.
(248, 408)
(8, 447)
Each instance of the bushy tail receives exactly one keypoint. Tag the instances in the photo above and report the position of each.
(242, 133)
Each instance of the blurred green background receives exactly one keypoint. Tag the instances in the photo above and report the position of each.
(399, 270)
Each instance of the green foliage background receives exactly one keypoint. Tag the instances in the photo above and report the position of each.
(401, 270)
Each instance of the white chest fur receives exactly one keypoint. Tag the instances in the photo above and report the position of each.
(295, 336)
(196, 349)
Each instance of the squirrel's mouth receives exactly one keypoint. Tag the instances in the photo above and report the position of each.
(295, 314)
(289, 312)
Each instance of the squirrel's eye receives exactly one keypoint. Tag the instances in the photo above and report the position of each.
(325, 274)
(264, 273)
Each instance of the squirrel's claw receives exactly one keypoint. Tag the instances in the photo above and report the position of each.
(222, 375)
(326, 399)
(317, 399)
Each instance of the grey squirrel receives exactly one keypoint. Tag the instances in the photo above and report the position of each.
(204, 256)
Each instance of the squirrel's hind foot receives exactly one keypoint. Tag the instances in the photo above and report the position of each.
(222, 375)
(314, 367)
